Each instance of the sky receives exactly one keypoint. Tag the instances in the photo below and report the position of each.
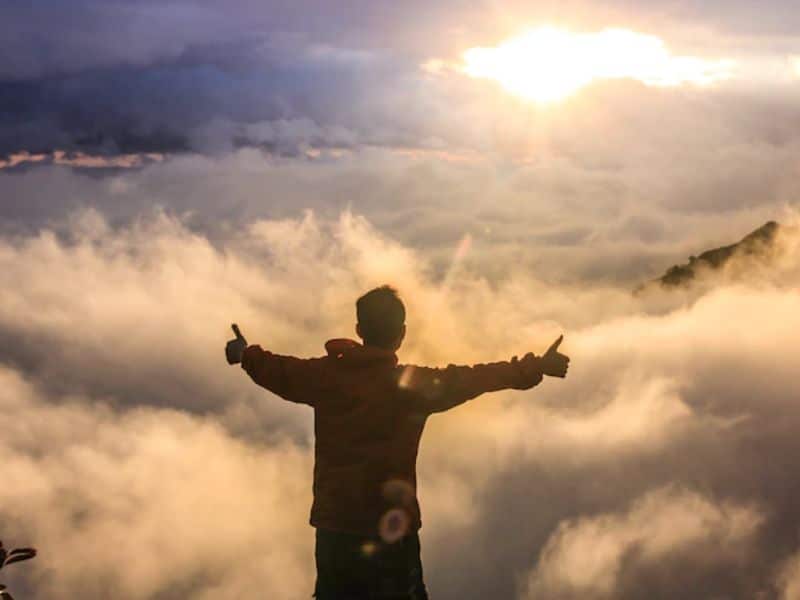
(516, 171)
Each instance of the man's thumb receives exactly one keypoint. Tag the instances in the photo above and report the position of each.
(236, 331)
(556, 344)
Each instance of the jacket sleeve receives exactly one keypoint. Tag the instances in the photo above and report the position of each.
(438, 390)
(293, 379)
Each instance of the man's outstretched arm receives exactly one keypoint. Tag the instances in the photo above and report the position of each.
(438, 390)
(291, 378)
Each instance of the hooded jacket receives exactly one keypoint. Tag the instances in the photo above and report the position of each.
(369, 414)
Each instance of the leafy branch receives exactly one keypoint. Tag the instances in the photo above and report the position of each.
(11, 557)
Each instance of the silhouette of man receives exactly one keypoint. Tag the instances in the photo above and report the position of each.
(369, 413)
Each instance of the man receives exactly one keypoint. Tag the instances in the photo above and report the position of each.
(369, 413)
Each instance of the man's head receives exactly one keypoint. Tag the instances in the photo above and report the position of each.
(381, 318)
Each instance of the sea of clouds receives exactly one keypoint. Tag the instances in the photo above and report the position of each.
(293, 155)
(142, 466)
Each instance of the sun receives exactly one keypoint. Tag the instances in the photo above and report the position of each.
(549, 64)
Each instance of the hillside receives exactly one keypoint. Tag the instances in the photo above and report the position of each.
(756, 244)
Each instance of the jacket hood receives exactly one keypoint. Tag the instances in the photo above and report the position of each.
(351, 352)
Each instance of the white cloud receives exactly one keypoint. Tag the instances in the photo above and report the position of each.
(120, 409)
(549, 64)
(789, 578)
(588, 557)
(149, 502)
(794, 63)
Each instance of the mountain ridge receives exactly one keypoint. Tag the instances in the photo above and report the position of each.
(757, 243)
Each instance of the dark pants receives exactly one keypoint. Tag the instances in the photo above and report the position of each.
(353, 567)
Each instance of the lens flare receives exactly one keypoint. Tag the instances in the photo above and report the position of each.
(461, 252)
(394, 525)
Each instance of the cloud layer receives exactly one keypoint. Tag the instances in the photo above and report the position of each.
(594, 556)
(169, 167)
(132, 445)
(140, 77)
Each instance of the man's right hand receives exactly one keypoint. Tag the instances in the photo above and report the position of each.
(235, 348)
(554, 363)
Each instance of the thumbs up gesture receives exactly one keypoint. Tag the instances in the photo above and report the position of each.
(553, 362)
(235, 348)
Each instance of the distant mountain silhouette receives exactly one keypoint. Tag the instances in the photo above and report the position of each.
(757, 244)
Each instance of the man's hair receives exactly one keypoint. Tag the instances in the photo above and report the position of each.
(381, 316)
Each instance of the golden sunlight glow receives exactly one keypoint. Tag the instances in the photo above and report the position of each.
(549, 64)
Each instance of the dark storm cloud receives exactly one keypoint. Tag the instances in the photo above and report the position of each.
(170, 76)
(171, 108)
(57, 37)
(136, 77)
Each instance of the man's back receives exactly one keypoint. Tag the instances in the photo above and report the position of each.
(367, 432)
(369, 416)
(369, 413)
